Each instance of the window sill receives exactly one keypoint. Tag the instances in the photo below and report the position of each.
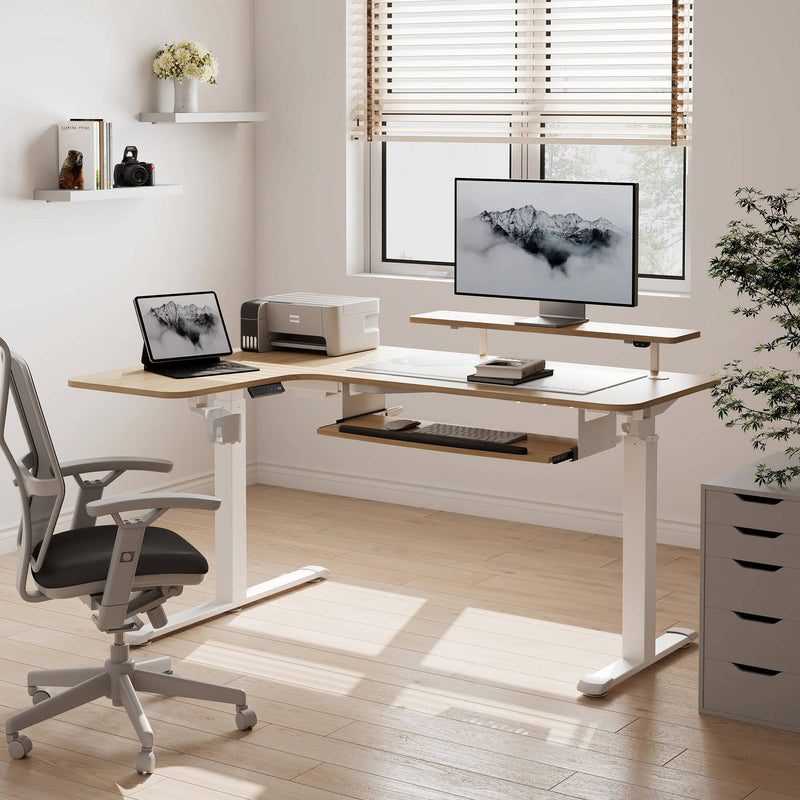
(393, 277)
(670, 293)
(666, 293)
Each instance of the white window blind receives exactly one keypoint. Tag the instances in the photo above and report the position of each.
(537, 71)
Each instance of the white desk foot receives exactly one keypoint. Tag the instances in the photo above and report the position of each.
(284, 582)
(191, 616)
(597, 684)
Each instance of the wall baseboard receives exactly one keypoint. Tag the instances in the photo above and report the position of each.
(514, 509)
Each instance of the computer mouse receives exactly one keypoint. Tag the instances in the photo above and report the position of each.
(400, 424)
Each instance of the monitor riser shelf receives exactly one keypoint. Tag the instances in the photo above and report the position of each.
(639, 335)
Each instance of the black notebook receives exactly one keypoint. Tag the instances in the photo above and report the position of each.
(542, 373)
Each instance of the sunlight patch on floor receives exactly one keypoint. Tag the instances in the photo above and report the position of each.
(342, 681)
(312, 638)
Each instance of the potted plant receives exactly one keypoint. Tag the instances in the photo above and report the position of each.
(762, 259)
(188, 64)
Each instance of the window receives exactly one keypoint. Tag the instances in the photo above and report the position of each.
(417, 195)
(660, 173)
(556, 89)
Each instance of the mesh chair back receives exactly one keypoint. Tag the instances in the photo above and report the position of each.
(36, 473)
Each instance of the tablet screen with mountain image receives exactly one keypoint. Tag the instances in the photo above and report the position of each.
(182, 326)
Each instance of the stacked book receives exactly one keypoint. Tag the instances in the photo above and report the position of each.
(84, 154)
(509, 371)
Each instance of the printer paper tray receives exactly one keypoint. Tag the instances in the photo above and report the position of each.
(298, 345)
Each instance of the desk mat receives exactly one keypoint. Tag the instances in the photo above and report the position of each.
(566, 378)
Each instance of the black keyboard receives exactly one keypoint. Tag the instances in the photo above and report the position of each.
(466, 434)
(459, 436)
(189, 371)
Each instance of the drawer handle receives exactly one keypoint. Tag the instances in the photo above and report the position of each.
(755, 532)
(757, 618)
(756, 565)
(757, 670)
(754, 498)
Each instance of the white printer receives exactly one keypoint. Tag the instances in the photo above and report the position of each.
(329, 323)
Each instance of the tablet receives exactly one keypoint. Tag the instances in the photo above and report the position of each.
(183, 327)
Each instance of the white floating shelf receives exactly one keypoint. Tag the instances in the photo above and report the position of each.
(78, 196)
(180, 117)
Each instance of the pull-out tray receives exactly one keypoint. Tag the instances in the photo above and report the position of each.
(541, 449)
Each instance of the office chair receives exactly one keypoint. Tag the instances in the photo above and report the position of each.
(120, 571)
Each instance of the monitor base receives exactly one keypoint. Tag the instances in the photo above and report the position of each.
(549, 322)
(556, 315)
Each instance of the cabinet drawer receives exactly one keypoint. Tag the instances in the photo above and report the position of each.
(729, 689)
(750, 511)
(761, 641)
(745, 586)
(751, 544)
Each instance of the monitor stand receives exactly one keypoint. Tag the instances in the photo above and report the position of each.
(556, 315)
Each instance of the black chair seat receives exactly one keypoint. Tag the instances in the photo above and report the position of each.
(83, 555)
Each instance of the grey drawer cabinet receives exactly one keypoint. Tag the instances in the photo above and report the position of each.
(750, 599)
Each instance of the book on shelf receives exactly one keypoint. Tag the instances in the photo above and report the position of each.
(107, 156)
(84, 154)
(102, 145)
(509, 368)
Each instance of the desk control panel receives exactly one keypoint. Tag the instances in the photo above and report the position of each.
(266, 390)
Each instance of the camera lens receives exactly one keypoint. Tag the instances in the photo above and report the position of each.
(136, 175)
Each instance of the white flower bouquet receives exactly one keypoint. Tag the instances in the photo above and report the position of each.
(181, 60)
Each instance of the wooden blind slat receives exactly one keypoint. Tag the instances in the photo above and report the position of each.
(522, 70)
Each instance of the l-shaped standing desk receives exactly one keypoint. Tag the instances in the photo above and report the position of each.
(221, 402)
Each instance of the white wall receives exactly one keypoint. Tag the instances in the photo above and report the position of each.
(69, 272)
(301, 245)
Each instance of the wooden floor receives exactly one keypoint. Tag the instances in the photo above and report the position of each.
(439, 661)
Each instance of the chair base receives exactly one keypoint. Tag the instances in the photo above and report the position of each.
(118, 679)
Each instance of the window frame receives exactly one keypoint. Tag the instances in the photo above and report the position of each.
(522, 157)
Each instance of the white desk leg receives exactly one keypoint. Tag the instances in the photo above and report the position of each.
(640, 647)
(230, 538)
(230, 520)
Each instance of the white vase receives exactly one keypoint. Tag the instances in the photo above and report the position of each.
(186, 94)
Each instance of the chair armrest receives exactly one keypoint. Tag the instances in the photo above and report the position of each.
(114, 464)
(152, 500)
(90, 489)
(118, 604)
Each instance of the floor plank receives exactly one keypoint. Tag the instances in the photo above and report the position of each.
(438, 662)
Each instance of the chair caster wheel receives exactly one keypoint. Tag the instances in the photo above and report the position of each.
(145, 761)
(245, 718)
(40, 695)
(19, 746)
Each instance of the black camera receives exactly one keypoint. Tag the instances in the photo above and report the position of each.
(132, 172)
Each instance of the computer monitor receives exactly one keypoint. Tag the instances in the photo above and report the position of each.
(563, 243)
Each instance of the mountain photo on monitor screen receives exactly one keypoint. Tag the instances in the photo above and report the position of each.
(547, 240)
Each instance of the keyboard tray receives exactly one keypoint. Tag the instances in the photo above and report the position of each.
(414, 435)
(535, 448)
